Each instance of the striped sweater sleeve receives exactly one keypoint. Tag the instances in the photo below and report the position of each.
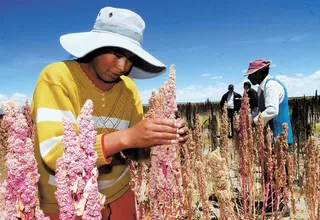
(50, 103)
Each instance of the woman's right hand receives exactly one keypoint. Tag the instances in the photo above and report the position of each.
(151, 132)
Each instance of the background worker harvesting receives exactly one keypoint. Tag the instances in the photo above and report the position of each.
(108, 57)
(272, 97)
(274, 107)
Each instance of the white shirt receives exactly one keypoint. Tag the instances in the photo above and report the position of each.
(230, 104)
(273, 96)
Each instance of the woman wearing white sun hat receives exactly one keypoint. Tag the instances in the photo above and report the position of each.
(107, 57)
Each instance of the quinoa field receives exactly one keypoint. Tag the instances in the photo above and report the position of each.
(249, 176)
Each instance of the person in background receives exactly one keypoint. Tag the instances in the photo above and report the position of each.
(253, 97)
(272, 98)
(233, 101)
(107, 57)
(272, 103)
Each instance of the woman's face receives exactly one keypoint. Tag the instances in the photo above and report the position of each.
(112, 63)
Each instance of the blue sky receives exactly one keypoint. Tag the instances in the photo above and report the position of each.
(210, 42)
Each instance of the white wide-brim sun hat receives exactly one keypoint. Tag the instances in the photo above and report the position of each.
(115, 27)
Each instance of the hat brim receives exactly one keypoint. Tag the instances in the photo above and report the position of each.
(255, 70)
(80, 44)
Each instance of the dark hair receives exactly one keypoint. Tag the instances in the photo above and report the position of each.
(247, 84)
(90, 56)
(136, 60)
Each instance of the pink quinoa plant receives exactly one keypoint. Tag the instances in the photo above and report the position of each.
(157, 182)
(224, 126)
(218, 170)
(187, 176)
(202, 185)
(291, 175)
(198, 139)
(280, 181)
(139, 170)
(246, 157)
(200, 163)
(312, 169)
(166, 193)
(77, 192)
(21, 167)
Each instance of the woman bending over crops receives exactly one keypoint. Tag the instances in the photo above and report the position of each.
(108, 58)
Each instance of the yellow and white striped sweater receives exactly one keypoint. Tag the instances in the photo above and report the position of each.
(61, 90)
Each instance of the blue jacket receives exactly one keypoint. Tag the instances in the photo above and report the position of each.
(283, 115)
